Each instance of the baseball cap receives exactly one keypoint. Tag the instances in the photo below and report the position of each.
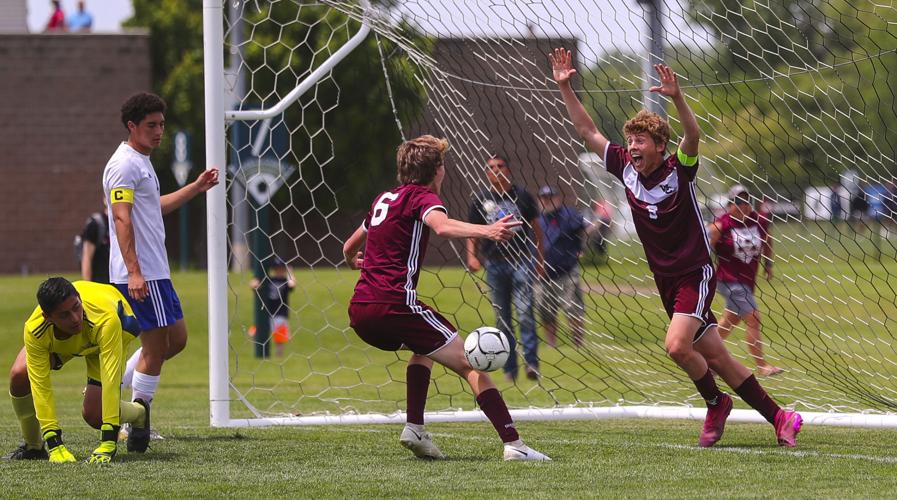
(739, 193)
(547, 191)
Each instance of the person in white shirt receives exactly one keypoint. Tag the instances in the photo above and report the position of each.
(138, 261)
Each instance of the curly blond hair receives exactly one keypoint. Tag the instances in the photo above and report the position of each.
(650, 123)
(418, 159)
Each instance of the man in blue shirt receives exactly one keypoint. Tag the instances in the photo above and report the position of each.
(82, 20)
(563, 231)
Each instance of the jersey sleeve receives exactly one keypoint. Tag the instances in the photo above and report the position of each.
(688, 164)
(111, 360)
(366, 223)
(37, 360)
(426, 202)
(615, 158)
(121, 182)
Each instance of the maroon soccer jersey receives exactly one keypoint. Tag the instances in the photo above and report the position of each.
(396, 244)
(739, 248)
(665, 211)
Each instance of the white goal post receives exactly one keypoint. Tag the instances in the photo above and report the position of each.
(845, 376)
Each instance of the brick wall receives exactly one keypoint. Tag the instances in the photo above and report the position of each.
(59, 123)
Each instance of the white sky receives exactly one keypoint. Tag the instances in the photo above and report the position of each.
(600, 24)
(107, 14)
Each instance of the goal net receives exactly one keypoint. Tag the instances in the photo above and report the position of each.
(796, 102)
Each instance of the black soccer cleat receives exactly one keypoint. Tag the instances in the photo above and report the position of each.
(139, 437)
(23, 452)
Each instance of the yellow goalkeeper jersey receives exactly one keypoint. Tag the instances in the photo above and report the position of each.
(109, 325)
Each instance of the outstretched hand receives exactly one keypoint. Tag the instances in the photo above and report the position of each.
(503, 229)
(669, 83)
(207, 180)
(561, 65)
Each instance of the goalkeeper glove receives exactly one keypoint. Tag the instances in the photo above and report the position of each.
(59, 454)
(106, 451)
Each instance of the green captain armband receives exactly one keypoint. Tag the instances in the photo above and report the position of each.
(688, 161)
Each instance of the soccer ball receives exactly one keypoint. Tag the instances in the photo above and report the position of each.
(487, 349)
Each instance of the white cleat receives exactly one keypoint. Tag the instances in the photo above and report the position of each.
(420, 443)
(518, 451)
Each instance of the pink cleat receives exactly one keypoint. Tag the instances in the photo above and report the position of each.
(715, 421)
(787, 425)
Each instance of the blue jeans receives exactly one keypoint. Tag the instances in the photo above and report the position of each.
(512, 282)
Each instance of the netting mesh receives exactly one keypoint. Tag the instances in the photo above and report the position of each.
(795, 101)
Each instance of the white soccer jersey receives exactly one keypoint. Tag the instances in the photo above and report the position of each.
(129, 169)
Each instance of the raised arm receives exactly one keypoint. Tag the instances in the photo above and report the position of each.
(442, 225)
(562, 69)
(669, 86)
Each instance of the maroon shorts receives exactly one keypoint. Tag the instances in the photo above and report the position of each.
(391, 327)
(690, 294)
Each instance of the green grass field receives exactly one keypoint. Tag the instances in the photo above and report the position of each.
(609, 458)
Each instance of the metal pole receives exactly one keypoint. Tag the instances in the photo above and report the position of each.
(238, 203)
(654, 43)
(216, 210)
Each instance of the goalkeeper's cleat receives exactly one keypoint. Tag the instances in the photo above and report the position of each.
(59, 454)
(517, 451)
(787, 424)
(715, 421)
(103, 454)
(139, 437)
(420, 443)
(23, 452)
(108, 444)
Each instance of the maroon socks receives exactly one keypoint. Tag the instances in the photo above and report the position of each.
(754, 395)
(496, 411)
(417, 378)
(707, 387)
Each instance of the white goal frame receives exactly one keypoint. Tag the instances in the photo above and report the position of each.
(220, 393)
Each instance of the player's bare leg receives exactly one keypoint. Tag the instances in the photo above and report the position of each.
(681, 348)
(755, 345)
(414, 437)
(729, 321)
(452, 357)
(23, 407)
(550, 328)
(92, 409)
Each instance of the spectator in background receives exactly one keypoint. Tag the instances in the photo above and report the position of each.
(511, 266)
(598, 227)
(95, 248)
(275, 294)
(82, 20)
(562, 238)
(835, 206)
(57, 18)
(859, 208)
(889, 217)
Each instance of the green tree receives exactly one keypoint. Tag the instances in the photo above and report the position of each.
(335, 145)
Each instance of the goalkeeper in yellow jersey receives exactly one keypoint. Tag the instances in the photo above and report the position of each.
(86, 320)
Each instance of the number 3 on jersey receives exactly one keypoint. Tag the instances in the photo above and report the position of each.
(381, 207)
(652, 211)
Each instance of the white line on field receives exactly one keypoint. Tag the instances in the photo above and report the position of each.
(795, 453)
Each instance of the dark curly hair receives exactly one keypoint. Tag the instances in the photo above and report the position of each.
(53, 292)
(139, 105)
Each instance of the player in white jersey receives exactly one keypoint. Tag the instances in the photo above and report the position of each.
(138, 262)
